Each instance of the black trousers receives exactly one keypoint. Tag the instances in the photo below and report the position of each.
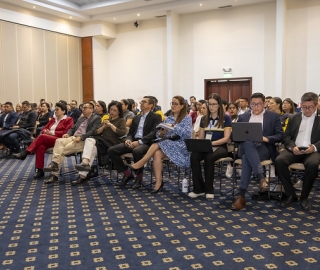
(311, 163)
(200, 186)
(116, 151)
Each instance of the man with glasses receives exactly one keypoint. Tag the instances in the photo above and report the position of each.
(251, 153)
(141, 134)
(302, 145)
(73, 140)
(74, 112)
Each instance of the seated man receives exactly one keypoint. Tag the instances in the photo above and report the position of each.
(73, 140)
(302, 145)
(8, 118)
(21, 129)
(251, 153)
(142, 132)
(74, 112)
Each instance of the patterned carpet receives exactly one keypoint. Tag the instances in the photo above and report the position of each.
(98, 225)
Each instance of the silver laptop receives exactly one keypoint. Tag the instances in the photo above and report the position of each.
(245, 131)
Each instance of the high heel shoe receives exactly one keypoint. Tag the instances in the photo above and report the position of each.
(157, 190)
(136, 171)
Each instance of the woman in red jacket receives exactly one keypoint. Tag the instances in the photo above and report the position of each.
(56, 127)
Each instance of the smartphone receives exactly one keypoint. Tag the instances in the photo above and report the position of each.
(303, 148)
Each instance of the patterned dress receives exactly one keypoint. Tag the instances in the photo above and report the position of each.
(177, 151)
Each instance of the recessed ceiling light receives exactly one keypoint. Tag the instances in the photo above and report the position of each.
(114, 18)
(200, 5)
(70, 17)
(138, 14)
(34, 6)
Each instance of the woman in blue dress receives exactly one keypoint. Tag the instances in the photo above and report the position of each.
(215, 126)
(174, 148)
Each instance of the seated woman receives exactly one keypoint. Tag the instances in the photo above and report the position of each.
(107, 135)
(127, 111)
(175, 150)
(233, 111)
(196, 126)
(275, 105)
(215, 126)
(101, 110)
(288, 106)
(43, 117)
(56, 127)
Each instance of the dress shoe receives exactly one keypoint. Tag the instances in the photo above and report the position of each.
(264, 186)
(287, 202)
(305, 204)
(157, 190)
(83, 167)
(22, 155)
(52, 179)
(38, 174)
(78, 181)
(137, 183)
(239, 203)
(53, 167)
(125, 179)
(136, 171)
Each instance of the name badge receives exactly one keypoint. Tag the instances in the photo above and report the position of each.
(208, 135)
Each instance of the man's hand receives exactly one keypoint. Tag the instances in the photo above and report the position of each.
(65, 136)
(15, 127)
(265, 139)
(134, 144)
(296, 150)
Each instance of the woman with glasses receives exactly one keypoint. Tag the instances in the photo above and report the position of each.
(107, 135)
(56, 127)
(216, 127)
(170, 142)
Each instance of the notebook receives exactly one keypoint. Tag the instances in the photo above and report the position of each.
(199, 145)
(245, 131)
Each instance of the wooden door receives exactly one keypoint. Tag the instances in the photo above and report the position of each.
(229, 89)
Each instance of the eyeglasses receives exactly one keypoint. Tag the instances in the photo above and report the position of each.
(143, 101)
(174, 103)
(256, 104)
(113, 110)
(83, 108)
(307, 108)
(213, 104)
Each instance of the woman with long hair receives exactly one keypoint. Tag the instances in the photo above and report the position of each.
(288, 106)
(233, 110)
(101, 110)
(175, 150)
(127, 111)
(215, 126)
(275, 105)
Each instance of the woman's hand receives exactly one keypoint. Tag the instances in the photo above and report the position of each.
(162, 132)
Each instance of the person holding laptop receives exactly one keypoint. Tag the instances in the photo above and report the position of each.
(302, 145)
(216, 127)
(251, 153)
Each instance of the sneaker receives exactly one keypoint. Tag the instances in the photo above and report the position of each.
(195, 195)
(229, 170)
(239, 171)
(209, 196)
(272, 171)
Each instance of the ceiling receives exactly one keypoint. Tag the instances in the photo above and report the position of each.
(122, 11)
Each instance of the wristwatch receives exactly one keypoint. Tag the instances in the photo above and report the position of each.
(140, 142)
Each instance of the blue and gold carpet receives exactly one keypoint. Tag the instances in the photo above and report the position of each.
(98, 225)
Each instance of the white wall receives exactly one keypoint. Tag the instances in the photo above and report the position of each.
(242, 38)
(302, 48)
(134, 62)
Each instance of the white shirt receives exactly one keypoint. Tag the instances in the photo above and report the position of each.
(56, 123)
(305, 129)
(257, 118)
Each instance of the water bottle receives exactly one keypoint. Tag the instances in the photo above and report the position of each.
(185, 185)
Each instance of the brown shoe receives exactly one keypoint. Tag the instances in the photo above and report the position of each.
(239, 203)
(264, 186)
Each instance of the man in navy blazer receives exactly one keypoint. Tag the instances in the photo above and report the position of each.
(141, 134)
(252, 153)
(302, 145)
(74, 113)
(8, 118)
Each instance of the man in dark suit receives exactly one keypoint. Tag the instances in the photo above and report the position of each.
(9, 117)
(302, 145)
(252, 153)
(74, 112)
(142, 132)
(73, 140)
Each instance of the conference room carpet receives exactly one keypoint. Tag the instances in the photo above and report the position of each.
(99, 225)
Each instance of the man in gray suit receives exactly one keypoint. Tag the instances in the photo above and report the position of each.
(302, 145)
(73, 140)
